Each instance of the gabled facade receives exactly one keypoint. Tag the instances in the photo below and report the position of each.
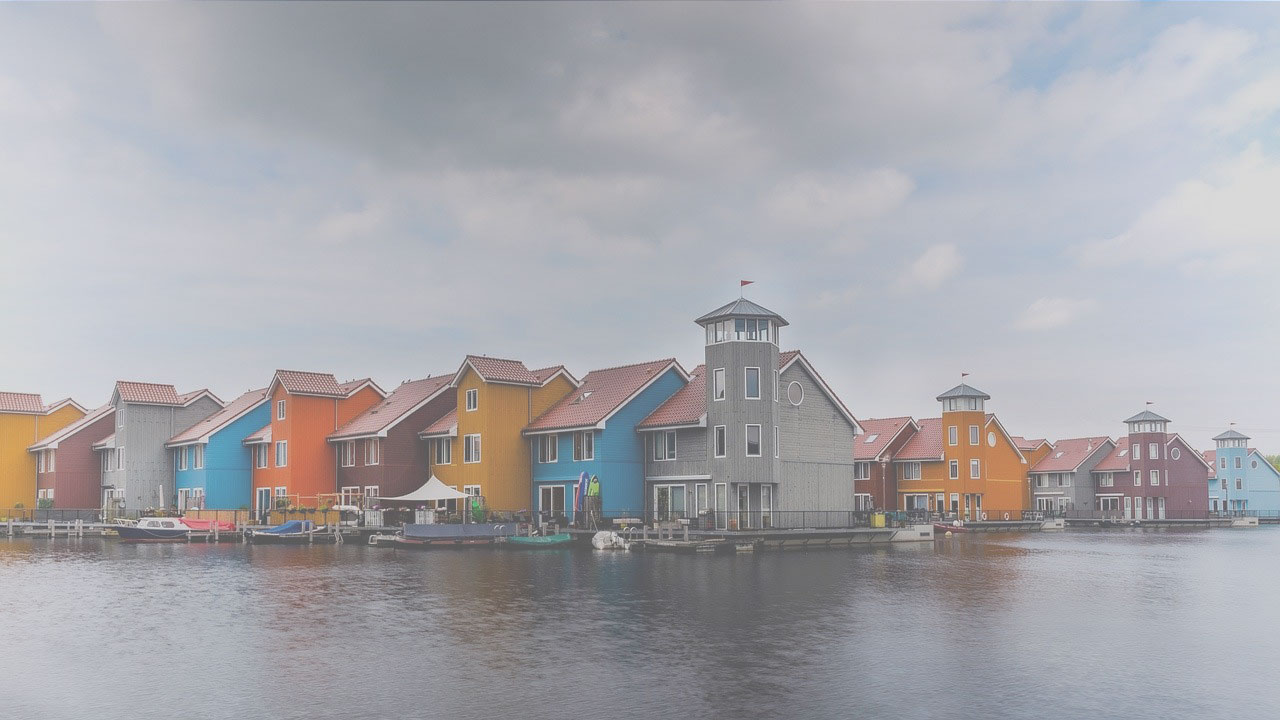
(291, 454)
(480, 448)
(379, 453)
(963, 465)
(68, 473)
(1062, 479)
(212, 468)
(1151, 474)
(25, 419)
(754, 438)
(1241, 480)
(874, 477)
(136, 467)
(592, 430)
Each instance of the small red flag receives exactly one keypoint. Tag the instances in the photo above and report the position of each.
(744, 283)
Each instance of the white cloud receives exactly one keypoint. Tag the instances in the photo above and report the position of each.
(824, 202)
(1052, 312)
(1250, 104)
(932, 268)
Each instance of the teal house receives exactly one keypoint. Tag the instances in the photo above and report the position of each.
(1241, 482)
(211, 465)
(592, 430)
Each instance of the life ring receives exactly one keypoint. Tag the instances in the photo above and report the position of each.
(1006, 516)
(984, 516)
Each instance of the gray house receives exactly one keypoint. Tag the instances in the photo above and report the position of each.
(755, 437)
(1062, 482)
(137, 469)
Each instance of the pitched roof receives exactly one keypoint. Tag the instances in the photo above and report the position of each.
(300, 382)
(402, 402)
(500, 370)
(741, 308)
(215, 422)
(146, 393)
(600, 394)
(685, 407)
(785, 360)
(877, 434)
(1023, 443)
(1211, 458)
(446, 425)
(963, 391)
(106, 442)
(259, 436)
(350, 387)
(190, 397)
(1232, 435)
(51, 407)
(16, 402)
(1067, 455)
(1179, 439)
(1118, 459)
(1147, 416)
(925, 444)
(51, 442)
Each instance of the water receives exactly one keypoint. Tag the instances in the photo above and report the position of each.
(1078, 624)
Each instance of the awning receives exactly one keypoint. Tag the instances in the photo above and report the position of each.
(433, 489)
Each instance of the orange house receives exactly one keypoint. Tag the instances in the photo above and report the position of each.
(25, 420)
(291, 456)
(479, 447)
(964, 464)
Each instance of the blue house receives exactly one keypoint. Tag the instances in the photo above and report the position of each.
(210, 463)
(592, 430)
(1242, 481)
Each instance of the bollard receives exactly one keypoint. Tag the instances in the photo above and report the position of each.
(215, 530)
(10, 524)
(686, 532)
(50, 528)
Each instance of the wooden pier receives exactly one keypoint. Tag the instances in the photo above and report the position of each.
(81, 528)
(680, 538)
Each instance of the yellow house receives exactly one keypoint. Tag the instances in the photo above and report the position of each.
(24, 421)
(479, 447)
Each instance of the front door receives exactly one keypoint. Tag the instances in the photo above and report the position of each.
(1128, 508)
(183, 494)
(744, 506)
(264, 504)
(1161, 503)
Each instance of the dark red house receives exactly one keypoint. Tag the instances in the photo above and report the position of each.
(1152, 474)
(68, 470)
(379, 453)
(874, 479)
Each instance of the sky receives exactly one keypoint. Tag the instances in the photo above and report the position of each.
(1076, 204)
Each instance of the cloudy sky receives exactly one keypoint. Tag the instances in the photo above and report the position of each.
(1075, 204)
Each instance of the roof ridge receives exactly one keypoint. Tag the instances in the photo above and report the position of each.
(631, 365)
(494, 357)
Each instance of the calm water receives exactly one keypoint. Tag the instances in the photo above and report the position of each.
(1081, 624)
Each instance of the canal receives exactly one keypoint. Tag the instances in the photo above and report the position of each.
(1156, 624)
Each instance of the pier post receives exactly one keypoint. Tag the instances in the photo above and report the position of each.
(686, 532)
(51, 528)
(215, 530)
(79, 527)
(9, 523)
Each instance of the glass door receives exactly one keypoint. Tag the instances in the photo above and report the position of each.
(744, 506)
(766, 506)
(264, 503)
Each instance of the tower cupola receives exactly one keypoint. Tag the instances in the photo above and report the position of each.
(1147, 422)
(963, 398)
(741, 321)
(1232, 439)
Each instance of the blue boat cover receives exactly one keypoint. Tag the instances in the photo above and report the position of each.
(290, 528)
(440, 531)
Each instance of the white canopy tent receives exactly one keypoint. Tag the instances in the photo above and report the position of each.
(431, 490)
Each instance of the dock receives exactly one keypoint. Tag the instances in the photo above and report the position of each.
(80, 528)
(680, 538)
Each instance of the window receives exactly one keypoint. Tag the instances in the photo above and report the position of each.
(752, 383)
(346, 453)
(371, 491)
(776, 386)
(1137, 478)
(1175, 453)
(1239, 484)
(473, 399)
(119, 418)
(471, 448)
(282, 492)
(551, 499)
(1153, 451)
(909, 471)
(955, 503)
(40, 461)
(180, 457)
(777, 445)
(1252, 463)
(1137, 451)
(119, 458)
(953, 469)
(721, 441)
(717, 386)
(973, 435)
(547, 448)
(282, 453)
(1224, 463)
(443, 451)
(975, 469)
(1042, 481)
(260, 455)
(372, 451)
(1106, 480)
(1064, 480)
(953, 435)
(472, 490)
(1155, 477)
(753, 441)
(350, 494)
(940, 503)
(664, 445)
(49, 465)
(1238, 463)
(584, 445)
(862, 471)
(280, 409)
(198, 462)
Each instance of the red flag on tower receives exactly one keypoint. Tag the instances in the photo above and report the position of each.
(744, 283)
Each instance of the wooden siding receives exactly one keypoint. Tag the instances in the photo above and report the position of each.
(17, 466)
(1003, 476)
(147, 478)
(227, 473)
(404, 462)
(816, 445)
(77, 477)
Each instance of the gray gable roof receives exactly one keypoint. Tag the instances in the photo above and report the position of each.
(741, 308)
(963, 391)
(1147, 416)
(1232, 435)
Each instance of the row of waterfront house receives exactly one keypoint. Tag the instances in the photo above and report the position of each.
(751, 438)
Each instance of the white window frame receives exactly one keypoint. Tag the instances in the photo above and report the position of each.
(372, 451)
(862, 470)
(975, 435)
(953, 469)
(777, 442)
(909, 471)
(280, 409)
(1153, 451)
(746, 435)
(372, 491)
(1137, 451)
(443, 448)
(953, 435)
(473, 490)
(1106, 479)
(719, 388)
(975, 468)
(1155, 477)
(548, 449)
(584, 445)
(119, 458)
(119, 418)
(472, 399)
(777, 385)
(470, 451)
(720, 441)
(347, 453)
(701, 500)
(197, 452)
(261, 456)
(282, 450)
(746, 384)
(1137, 478)
(180, 458)
(665, 446)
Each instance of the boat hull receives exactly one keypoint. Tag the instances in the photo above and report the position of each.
(128, 533)
(517, 542)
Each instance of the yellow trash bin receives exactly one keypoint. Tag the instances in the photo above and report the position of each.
(877, 520)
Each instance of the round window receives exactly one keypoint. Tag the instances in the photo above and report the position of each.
(795, 393)
(1175, 453)
(1254, 464)
(991, 438)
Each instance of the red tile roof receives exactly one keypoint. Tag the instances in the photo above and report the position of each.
(147, 393)
(1211, 457)
(226, 415)
(351, 386)
(106, 442)
(89, 418)
(1023, 443)
(1118, 460)
(1067, 455)
(926, 444)
(15, 402)
(185, 398)
(876, 436)
(298, 382)
(492, 369)
(786, 357)
(686, 407)
(442, 426)
(262, 435)
(545, 374)
(64, 401)
(395, 407)
(601, 392)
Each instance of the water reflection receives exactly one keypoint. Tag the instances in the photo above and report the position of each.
(1079, 624)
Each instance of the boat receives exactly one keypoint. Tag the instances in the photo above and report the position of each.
(208, 525)
(539, 541)
(940, 528)
(294, 531)
(154, 529)
(450, 535)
